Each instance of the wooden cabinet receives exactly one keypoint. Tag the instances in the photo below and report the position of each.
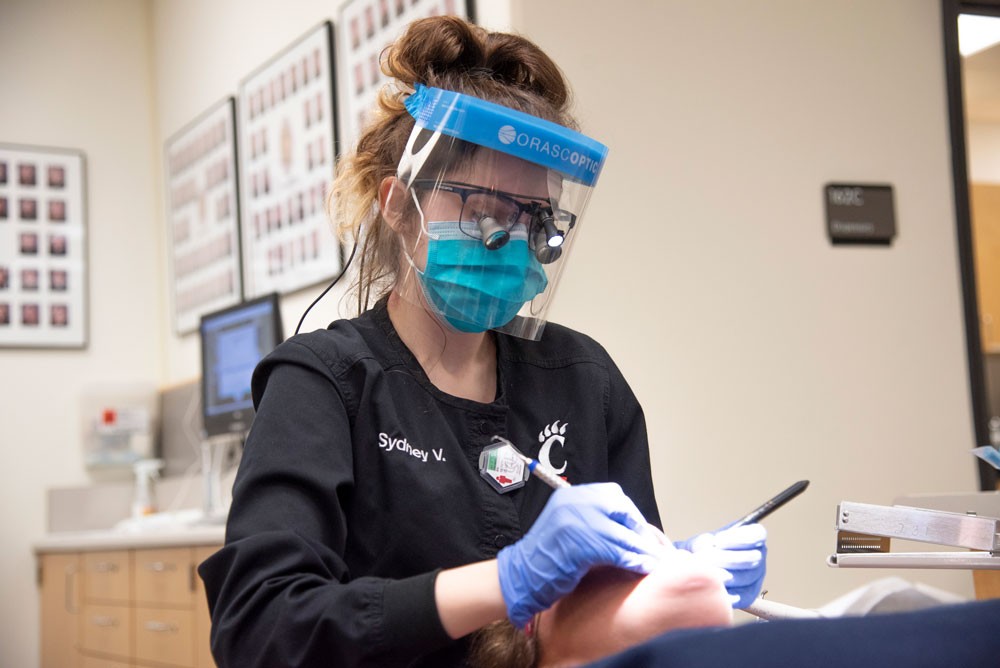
(106, 618)
(202, 621)
(106, 576)
(164, 601)
(91, 662)
(164, 577)
(984, 200)
(165, 635)
(61, 595)
(131, 607)
(106, 630)
(987, 584)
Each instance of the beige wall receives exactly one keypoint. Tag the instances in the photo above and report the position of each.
(761, 354)
(76, 74)
(201, 51)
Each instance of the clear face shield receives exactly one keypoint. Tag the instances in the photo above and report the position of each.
(487, 204)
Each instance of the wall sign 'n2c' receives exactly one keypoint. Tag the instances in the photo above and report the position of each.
(860, 214)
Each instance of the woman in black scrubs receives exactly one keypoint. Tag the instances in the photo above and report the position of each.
(376, 520)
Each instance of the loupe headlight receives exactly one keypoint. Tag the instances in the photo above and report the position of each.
(554, 237)
(546, 238)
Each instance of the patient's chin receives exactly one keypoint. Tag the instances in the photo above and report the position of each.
(612, 610)
(681, 595)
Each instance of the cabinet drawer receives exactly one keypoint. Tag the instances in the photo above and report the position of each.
(94, 662)
(202, 620)
(106, 576)
(106, 629)
(163, 577)
(61, 598)
(164, 636)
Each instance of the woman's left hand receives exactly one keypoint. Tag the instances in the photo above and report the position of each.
(742, 551)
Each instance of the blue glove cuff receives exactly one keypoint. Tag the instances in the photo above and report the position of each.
(520, 609)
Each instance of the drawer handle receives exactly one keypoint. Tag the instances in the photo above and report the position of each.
(69, 592)
(106, 567)
(161, 627)
(160, 566)
(103, 620)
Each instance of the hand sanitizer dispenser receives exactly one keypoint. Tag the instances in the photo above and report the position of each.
(120, 423)
(146, 472)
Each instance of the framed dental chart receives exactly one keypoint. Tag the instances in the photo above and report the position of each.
(287, 140)
(203, 216)
(43, 247)
(364, 29)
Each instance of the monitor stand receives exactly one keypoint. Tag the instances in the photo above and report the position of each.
(213, 451)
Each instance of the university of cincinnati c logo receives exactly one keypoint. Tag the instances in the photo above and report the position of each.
(553, 433)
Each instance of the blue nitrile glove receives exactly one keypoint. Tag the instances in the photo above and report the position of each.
(740, 550)
(579, 528)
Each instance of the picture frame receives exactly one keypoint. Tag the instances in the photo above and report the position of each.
(43, 247)
(287, 127)
(364, 29)
(203, 215)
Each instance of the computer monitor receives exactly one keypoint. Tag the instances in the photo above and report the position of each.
(233, 341)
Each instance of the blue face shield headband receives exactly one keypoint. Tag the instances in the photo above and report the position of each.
(572, 154)
(500, 194)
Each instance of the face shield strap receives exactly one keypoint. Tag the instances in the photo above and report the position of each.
(423, 218)
(423, 231)
(414, 157)
(572, 154)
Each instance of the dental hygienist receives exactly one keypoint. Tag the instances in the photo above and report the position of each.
(374, 521)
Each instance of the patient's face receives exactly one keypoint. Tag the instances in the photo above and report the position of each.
(612, 609)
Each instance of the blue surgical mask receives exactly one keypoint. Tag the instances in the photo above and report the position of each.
(473, 288)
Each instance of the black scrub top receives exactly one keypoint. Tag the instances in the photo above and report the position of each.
(359, 481)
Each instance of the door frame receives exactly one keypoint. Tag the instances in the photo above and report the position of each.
(950, 10)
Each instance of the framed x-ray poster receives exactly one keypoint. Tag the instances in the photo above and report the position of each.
(43, 247)
(364, 29)
(203, 216)
(287, 137)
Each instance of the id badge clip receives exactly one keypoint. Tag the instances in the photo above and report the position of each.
(502, 468)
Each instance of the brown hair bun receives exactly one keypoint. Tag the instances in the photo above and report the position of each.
(441, 52)
(448, 52)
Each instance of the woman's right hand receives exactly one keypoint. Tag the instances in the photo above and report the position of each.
(579, 528)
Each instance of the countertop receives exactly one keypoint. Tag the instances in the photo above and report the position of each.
(122, 539)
